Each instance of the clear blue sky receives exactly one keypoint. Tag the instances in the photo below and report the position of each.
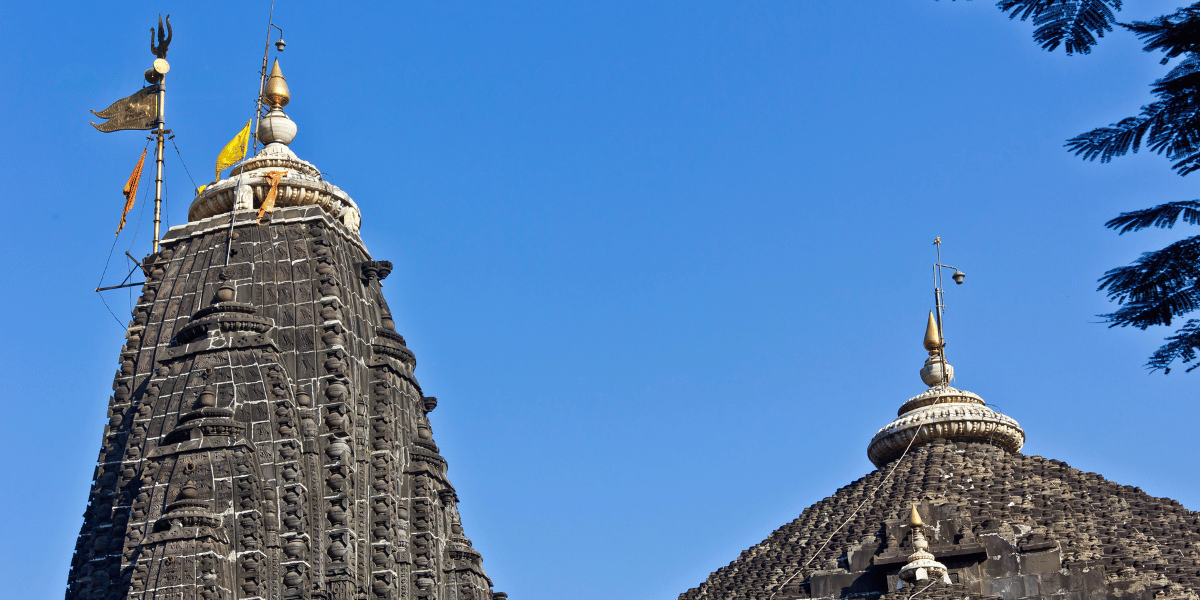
(665, 264)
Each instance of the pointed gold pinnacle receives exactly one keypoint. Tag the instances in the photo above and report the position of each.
(915, 518)
(933, 340)
(276, 91)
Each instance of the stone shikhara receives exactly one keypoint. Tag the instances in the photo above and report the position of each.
(986, 521)
(1005, 524)
(266, 435)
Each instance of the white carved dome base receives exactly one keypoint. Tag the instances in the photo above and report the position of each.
(301, 186)
(953, 420)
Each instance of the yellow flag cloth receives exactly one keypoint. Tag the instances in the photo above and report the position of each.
(268, 204)
(235, 150)
(130, 190)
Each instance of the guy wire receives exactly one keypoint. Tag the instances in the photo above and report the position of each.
(114, 315)
(233, 217)
(923, 589)
(185, 169)
(141, 214)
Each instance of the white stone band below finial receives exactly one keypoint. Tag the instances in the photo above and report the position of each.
(951, 421)
(301, 186)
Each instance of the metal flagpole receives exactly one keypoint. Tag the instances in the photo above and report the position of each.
(157, 76)
(158, 160)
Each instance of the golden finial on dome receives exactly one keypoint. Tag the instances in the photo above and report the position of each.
(915, 518)
(276, 91)
(933, 340)
(922, 566)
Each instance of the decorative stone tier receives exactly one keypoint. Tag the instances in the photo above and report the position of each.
(955, 420)
(943, 394)
(301, 186)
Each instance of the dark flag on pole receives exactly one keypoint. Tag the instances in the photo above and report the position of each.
(139, 111)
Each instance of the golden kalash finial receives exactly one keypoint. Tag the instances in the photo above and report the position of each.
(933, 339)
(276, 91)
(936, 370)
(915, 518)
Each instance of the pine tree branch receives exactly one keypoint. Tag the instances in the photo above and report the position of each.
(1183, 345)
(1156, 287)
(1169, 126)
(1175, 34)
(1163, 216)
(1075, 24)
(1116, 139)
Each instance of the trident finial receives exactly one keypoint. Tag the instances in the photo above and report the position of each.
(163, 40)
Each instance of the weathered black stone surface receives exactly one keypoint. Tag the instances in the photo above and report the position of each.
(266, 436)
(1005, 525)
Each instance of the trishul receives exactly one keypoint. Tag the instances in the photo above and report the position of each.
(163, 40)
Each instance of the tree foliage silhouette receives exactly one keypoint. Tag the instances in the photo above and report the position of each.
(1161, 286)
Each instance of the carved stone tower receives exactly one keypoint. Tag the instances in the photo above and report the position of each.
(266, 436)
(985, 522)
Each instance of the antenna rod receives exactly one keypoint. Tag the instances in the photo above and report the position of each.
(939, 305)
(262, 80)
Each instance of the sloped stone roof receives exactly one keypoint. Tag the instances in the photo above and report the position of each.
(1105, 539)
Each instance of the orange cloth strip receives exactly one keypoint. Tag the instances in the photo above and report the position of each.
(130, 190)
(268, 204)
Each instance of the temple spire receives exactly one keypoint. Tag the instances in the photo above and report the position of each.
(275, 178)
(942, 412)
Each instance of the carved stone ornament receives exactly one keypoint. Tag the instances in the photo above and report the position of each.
(952, 421)
(248, 184)
(942, 412)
